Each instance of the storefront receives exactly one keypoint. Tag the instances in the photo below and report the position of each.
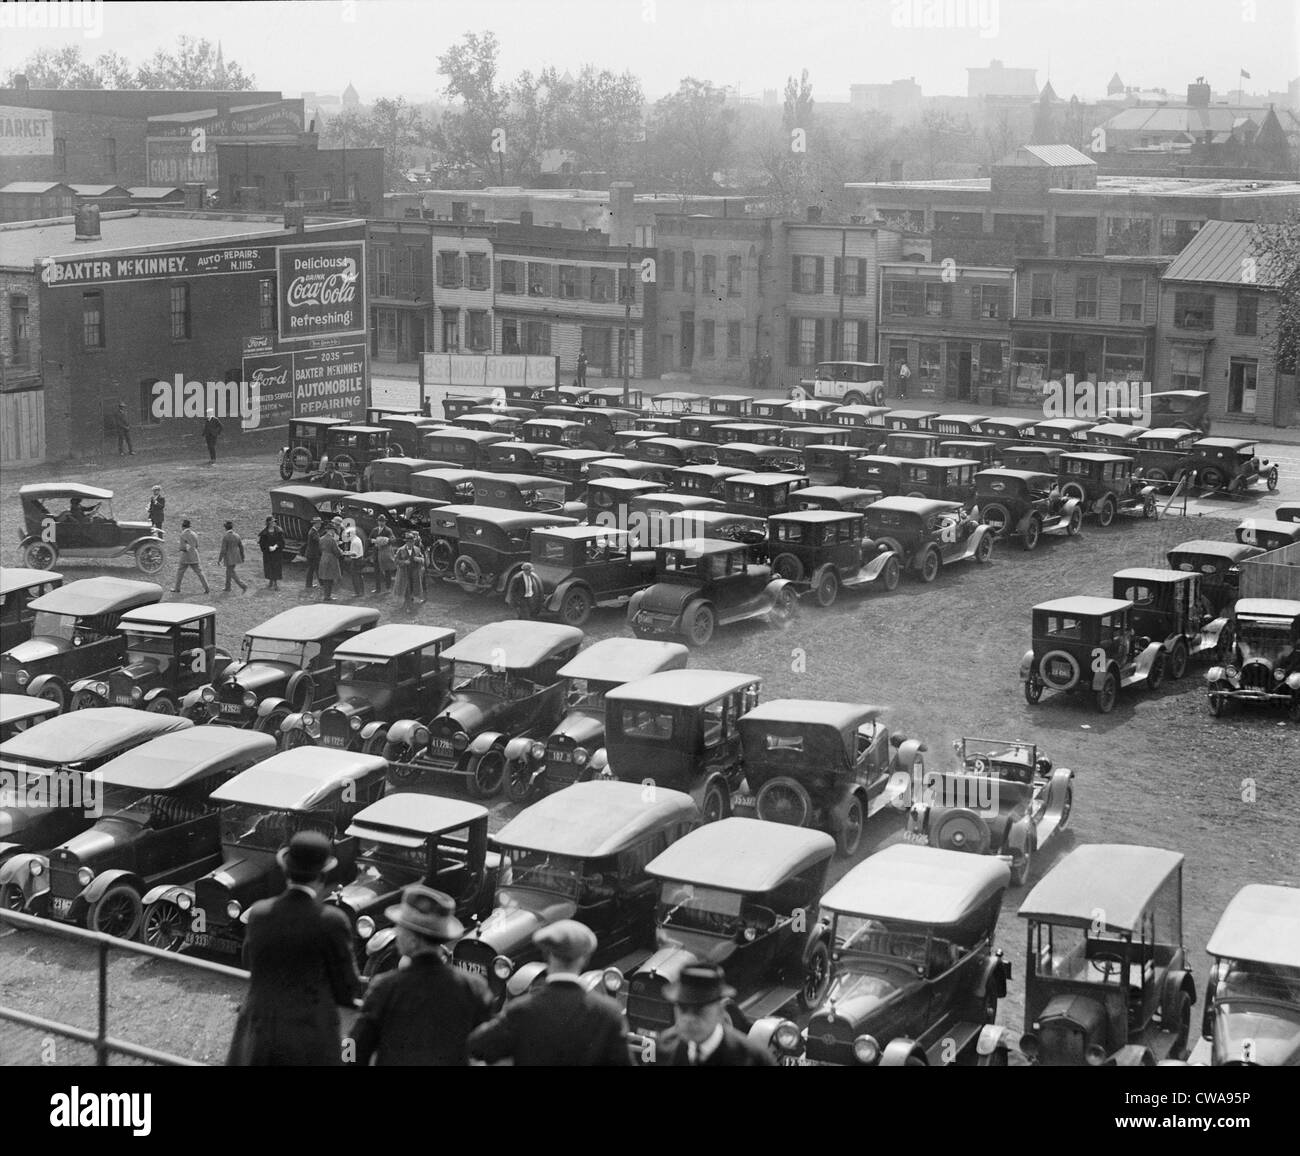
(1040, 353)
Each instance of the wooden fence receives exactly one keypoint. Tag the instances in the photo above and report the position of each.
(1272, 575)
(22, 428)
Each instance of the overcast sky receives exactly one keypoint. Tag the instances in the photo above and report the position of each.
(390, 47)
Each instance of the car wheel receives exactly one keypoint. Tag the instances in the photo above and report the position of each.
(1271, 479)
(163, 704)
(286, 467)
(1104, 698)
(890, 574)
(714, 804)
(827, 590)
(376, 744)
(1182, 1025)
(1067, 805)
(784, 800)
(700, 629)
(577, 606)
(783, 606)
(395, 450)
(1106, 515)
(961, 830)
(442, 556)
(164, 926)
(519, 782)
(487, 773)
(1033, 691)
(270, 724)
(1033, 532)
(12, 897)
(1156, 477)
(787, 566)
(86, 700)
(848, 830)
(997, 518)
(984, 551)
(1214, 478)
(1157, 675)
(816, 977)
(117, 912)
(916, 494)
(300, 460)
(1073, 490)
(468, 575)
(40, 556)
(1178, 660)
(380, 962)
(1220, 704)
(291, 740)
(1293, 709)
(1020, 867)
(854, 398)
(56, 693)
(1075, 524)
(149, 557)
(345, 464)
(400, 758)
(930, 566)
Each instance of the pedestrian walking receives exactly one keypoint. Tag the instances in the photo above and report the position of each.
(189, 558)
(701, 1035)
(524, 593)
(353, 551)
(330, 562)
(421, 1015)
(559, 1024)
(212, 428)
(231, 555)
(381, 544)
(582, 367)
(122, 427)
(157, 507)
(299, 955)
(903, 375)
(312, 551)
(410, 570)
(271, 542)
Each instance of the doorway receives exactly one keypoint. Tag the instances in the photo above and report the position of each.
(963, 374)
(665, 352)
(688, 340)
(1242, 375)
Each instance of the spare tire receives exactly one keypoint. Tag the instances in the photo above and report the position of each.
(960, 830)
(784, 800)
(1065, 656)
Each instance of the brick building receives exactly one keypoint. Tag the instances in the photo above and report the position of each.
(302, 171)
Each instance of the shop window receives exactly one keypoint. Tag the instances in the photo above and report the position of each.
(1186, 367)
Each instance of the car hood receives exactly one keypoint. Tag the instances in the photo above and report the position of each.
(856, 996)
(94, 843)
(253, 675)
(509, 930)
(1266, 1032)
(581, 727)
(352, 704)
(470, 712)
(13, 821)
(234, 879)
(136, 527)
(142, 671)
(365, 894)
(37, 650)
(668, 961)
(668, 597)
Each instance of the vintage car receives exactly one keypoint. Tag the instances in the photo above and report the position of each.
(156, 826)
(1160, 455)
(571, 467)
(609, 500)
(1187, 408)
(701, 427)
(821, 550)
(491, 545)
(526, 492)
(865, 423)
(927, 535)
(911, 444)
(1025, 505)
(1004, 799)
(614, 397)
(675, 452)
(582, 567)
(1167, 608)
(1071, 430)
(614, 467)
(446, 485)
(965, 425)
(492, 421)
(733, 405)
(1008, 430)
(1228, 464)
(394, 474)
(769, 410)
(760, 495)
(915, 975)
(948, 479)
(1218, 564)
(579, 854)
(1289, 513)
(848, 382)
(45, 800)
(505, 687)
(677, 402)
(844, 498)
(880, 472)
(286, 664)
(295, 506)
(376, 413)
(402, 512)
(599, 423)
(708, 481)
(626, 441)
(750, 433)
(652, 425)
(754, 458)
(19, 712)
(404, 839)
(743, 894)
(703, 583)
(552, 431)
(1267, 533)
(19, 588)
(721, 524)
(466, 448)
(1106, 979)
(829, 765)
(351, 448)
(71, 520)
(75, 634)
(381, 675)
(454, 406)
(516, 457)
(1252, 995)
(986, 454)
(261, 810)
(1105, 486)
(170, 651)
(405, 431)
(910, 419)
(307, 448)
(827, 465)
(1036, 459)
(648, 510)
(1114, 438)
(801, 437)
(1264, 664)
(1089, 644)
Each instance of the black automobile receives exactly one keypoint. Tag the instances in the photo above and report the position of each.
(19, 588)
(582, 567)
(820, 551)
(1026, 505)
(1263, 668)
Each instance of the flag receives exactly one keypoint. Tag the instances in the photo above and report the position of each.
(1245, 74)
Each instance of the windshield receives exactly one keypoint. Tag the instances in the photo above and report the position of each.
(395, 866)
(279, 650)
(474, 676)
(585, 692)
(992, 751)
(256, 828)
(154, 644)
(706, 909)
(364, 670)
(1263, 637)
(563, 876)
(867, 936)
(647, 722)
(47, 624)
(1072, 953)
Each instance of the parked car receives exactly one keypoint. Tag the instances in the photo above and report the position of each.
(734, 405)
(1072, 431)
(652, 425)
(826, 465)
(526, 492)
(261, 810)
(552, 431)
(582, 567)
(466, 448)
(20, 586)
(455, 486)
(1026, 505)
(947, 479)
(157, 825)
(1008, 430)
(1036, 459)
(406, 431)
(880, 472)
(351, 448)
(1167, 607)
(492, 544)
(295, 506)
(609, 501)
(744, 894)
(703, 583)
(1264, 664)
(1160, 455)
(865, 423)
(916, 976)
(679, 729)
(574, 751)
(829, 765)
(1218, 564)
(966, 425)
(612, 467)
(286, 664)
(381, 675)
(754, 458)
(1005, 798)
(1188, 408)
(677, 402)
(708, 481)
(800, 437)
(848, 499)
(404, 839)
(307, 449)
(701, 427)
(579, 854)
(571, 467)
(614, 397)
(492, 422)
(849, 382)
(761, 495)
(599, 423)
(928, 535)
(1267, 533)
(650, 513)
(1289, 513)
(393, 475)
(1114, 438)
(75, 634)
(746, 433)
(71, 520)
(910, 419)
(47, 761)
(721, 524)
(516, 457)
(675, 452)
(1229, 464)
(821, 550)
(769, 410)
(505, 687)
(986, 454)
(1105, 486)
(403, 512)
(19, 712)
(1106, 979)
(913, 444)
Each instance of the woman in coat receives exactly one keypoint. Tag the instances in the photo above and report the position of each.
(381, 541)
(271, 542)
(331, 569)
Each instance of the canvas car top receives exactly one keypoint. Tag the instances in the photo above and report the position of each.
(172, 760)
(16, 708)
(914, 884)
(688, 688)
(1234, 551)
(514, 644)
(1107, 882)
(63, 490)
(298, 779)
(747, 855)
(314, 494)
(23, 578)
(1261, 924)
(843, 716)
(408, 819)
(87, 734)
(88, 597)
(165, 614)
(622, 660)
(392, 639)
(312, 623)
(922, 507)
(1267, 608)
(1085, 605)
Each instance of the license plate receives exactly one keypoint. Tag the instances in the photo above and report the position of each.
(232, 708)
(60, 907)
(744, 800)
(331, 741)
(122, 699)
(559, 757)
(441, 747)
(472, 967)
(211, 942)
(1059, 670)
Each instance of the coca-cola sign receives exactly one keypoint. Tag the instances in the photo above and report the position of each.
(322, 290)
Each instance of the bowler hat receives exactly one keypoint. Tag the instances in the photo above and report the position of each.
(426, 912)
(698, 986)
(308, 855)
(567, 939)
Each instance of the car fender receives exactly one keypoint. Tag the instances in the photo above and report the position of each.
(1211, 631)
(1071, 504)
(556, 598)
(1131, 1056)
(297, 680)
(909, 752)
(8, 850)
(17, 869)
(371, 729)
(157, 692)
(991, 1039)
(1057, 786)
(918, 820)
(1024, 521)
(1099, 677)
(816, 934)
(1027, 664)
(502, 583)
(268, 705)
(517, 750)
(634, 603)
(82, 684)
(762, 1031)
(973, 542)
(1142, 668)
(403, 731)
(598, 761)
(381, 939)
(1019, 836)
(895, 547)
(1176, 983)
(142, 539)
(485, 742)
(773, 588)
(292, 722)
(876, 566)
(899, 1052)
(168, 892)
(193, 700)
(100, 884)
(917, 561)
(523, 978)
(40, 682)
(27, 540)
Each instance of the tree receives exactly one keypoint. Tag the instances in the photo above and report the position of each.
(601, 119)
(392, 125)
(798, 109)
(193, 64)
(690, 135)
(1276, 248)
(940, 127)
(65, 68)
(475, 134)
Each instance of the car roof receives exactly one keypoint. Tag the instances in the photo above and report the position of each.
(973, 418)
(1267, 607)
(690, 688)
(511, 518)
(914, 884)
(593, 819)
(317, 494)
(1162, 433)
(1096, 457)
(312, 623)
(167, 613)
(702, 547)
(764, 479)
(1182, 393)
(17, 707)
(63, 490)
(454, 475)
(514, 644)
(408, 819)
(389, 498)
(465, 434)
(710, 518)
(1086, 604)
(22, 577)
(572, 454)
(1026, 476)
(1232, 550)
(731, 397)
(834, 449)
(803, 516)
(913, 413)
(552, 421)
(523, 481)
(840, 715)
(298, 779)
(1273, 526)
(677, 395)
(1116, 429)
(1014, 422)
(748, 855)
(884, 459)
(392, 639)
(1065, 423)
(1225, 443)
(631, 485)
(172, 760)
(81, 735)
(581, 532)
(684, 503)
(621, 660)
(1153, 574)
(321, 420)
(1110, 883)
(87, 597)
(1262, 924)
(921, 506)
(842, 492)
(360, 427)
(709, 471)
(942, 462)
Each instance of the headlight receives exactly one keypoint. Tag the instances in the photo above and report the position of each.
(537, 750)
(184, 901)
(308, 719)
(136, 693)
(84, 876)
(37, 867)
(365, 927)
(612, 980)
(580, 754)
(23, 677)
(1095, 1055)
(1279, 674)
(459, 741)
(355, 723)
(1232, 672)
(208, 694)
(1030, 1046)
(233, 909)
(502, 967)
(420, 737)
(865, 1049)
(101, 689)
(751, 934)
(1214, 674)
(250, 699)
(786, 1036)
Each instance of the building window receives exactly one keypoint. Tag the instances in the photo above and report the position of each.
(480, 333)
(854, 284)
(290, 187)
(1085, 295)
(596, 342)
(449, 269)
(1040, 294)
(1132, 297)
(707, 331)
(937, 299)
(477, 271)
(1247, 313)
(20, 350)
(1186, 367)
(266, 304)
(643, 236)
(569, 286)
(477, 216)
(1128, 236)
(602, 284)
(855, 333)
(688, 272)
(807, 274)
(806, 341)
(110, 154)
(539, 279)
(60, 155)
(988, 302)
(180, 311)
(1193, 310)
(959, 224)
(733, 277)
(667, 268)
(627, 286)
(92, 320)
(510, 277)
(1019, 227)
(1174, 234)
(904, 298)
(385, 284)
(537, 337)
(931, 369)
(990, 364)
(1124, 359)
(387, 326)
(709, 274)
(733, 340)
(450, 330)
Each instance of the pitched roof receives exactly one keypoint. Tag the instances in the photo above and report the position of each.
(1220, 253)
(1054, 155)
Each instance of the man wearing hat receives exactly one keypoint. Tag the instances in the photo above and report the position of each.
(421, 1014)
(524, 593)
(560, 1024)
(701, 1035)
(122, 427)
(311, 552)
(300, 955)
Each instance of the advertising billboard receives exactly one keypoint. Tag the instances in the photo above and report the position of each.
(322, 290)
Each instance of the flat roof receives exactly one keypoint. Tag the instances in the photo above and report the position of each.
(1107, 882)
(1106, 185)
(1084, 604)
(1261, 924)
(87, 734)
(390, 499)
(1216, 549)
(840, 715)
(409, 814)
(914, 884)
(700, 547)
(17, 707)
(747, 855)
(622, 660)
(63, 490)
(514, 644)
(392, 639)
(765, 479)
(523, 481)
(167, 613)
(172, 760)
(298, 779)
(1267, 607)
(312, 623)
(689, 688)
(313, 494)
(922, 506)
(1150, 574)
(815, 516)
(1225, 443)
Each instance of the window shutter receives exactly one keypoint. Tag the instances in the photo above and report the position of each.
(861, 290)
(794, 275)
(835, 336)
(792, 353)
(439, 274)
(497, 272)
(819, 334)
(837, 276)
(460, 272)
(820, 279)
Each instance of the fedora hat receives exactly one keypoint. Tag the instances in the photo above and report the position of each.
(566, 938)
(426, 912)
(698, 986)
(308, 855)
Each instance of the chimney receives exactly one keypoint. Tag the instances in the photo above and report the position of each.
(622, 213)
(1198, 94)
(526, 218)
(20, 83)
(86, 222)
(814, 214)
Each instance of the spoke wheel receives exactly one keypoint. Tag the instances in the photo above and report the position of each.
(149, 557)
(930, 566)
(488, 774)
(816, 978)
(577, 606)
(783, 606)
(270, 725)
(714, 804)
(1033, 691)
(1271, 480)
(1106, 515)
(164, 926)
(400, 758)
(56, 693)
(161, 705)
(998, 519)
(40, 556)
(848, 834)
(827, 589)
(11, 897)
(701, 627)
(1178, 660)
(519, 783)
(890, 574)
(442, 556)
(117, 912)
(787, 566)
(1075, 523)
(985, 549)
(1020, 867)
(1033, 532)
(468, 575)
(784, 800)
(1104, 699)
(1214, 478)
(85, 700)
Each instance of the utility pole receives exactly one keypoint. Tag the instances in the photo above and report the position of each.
(844, 272)
(627, 328)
